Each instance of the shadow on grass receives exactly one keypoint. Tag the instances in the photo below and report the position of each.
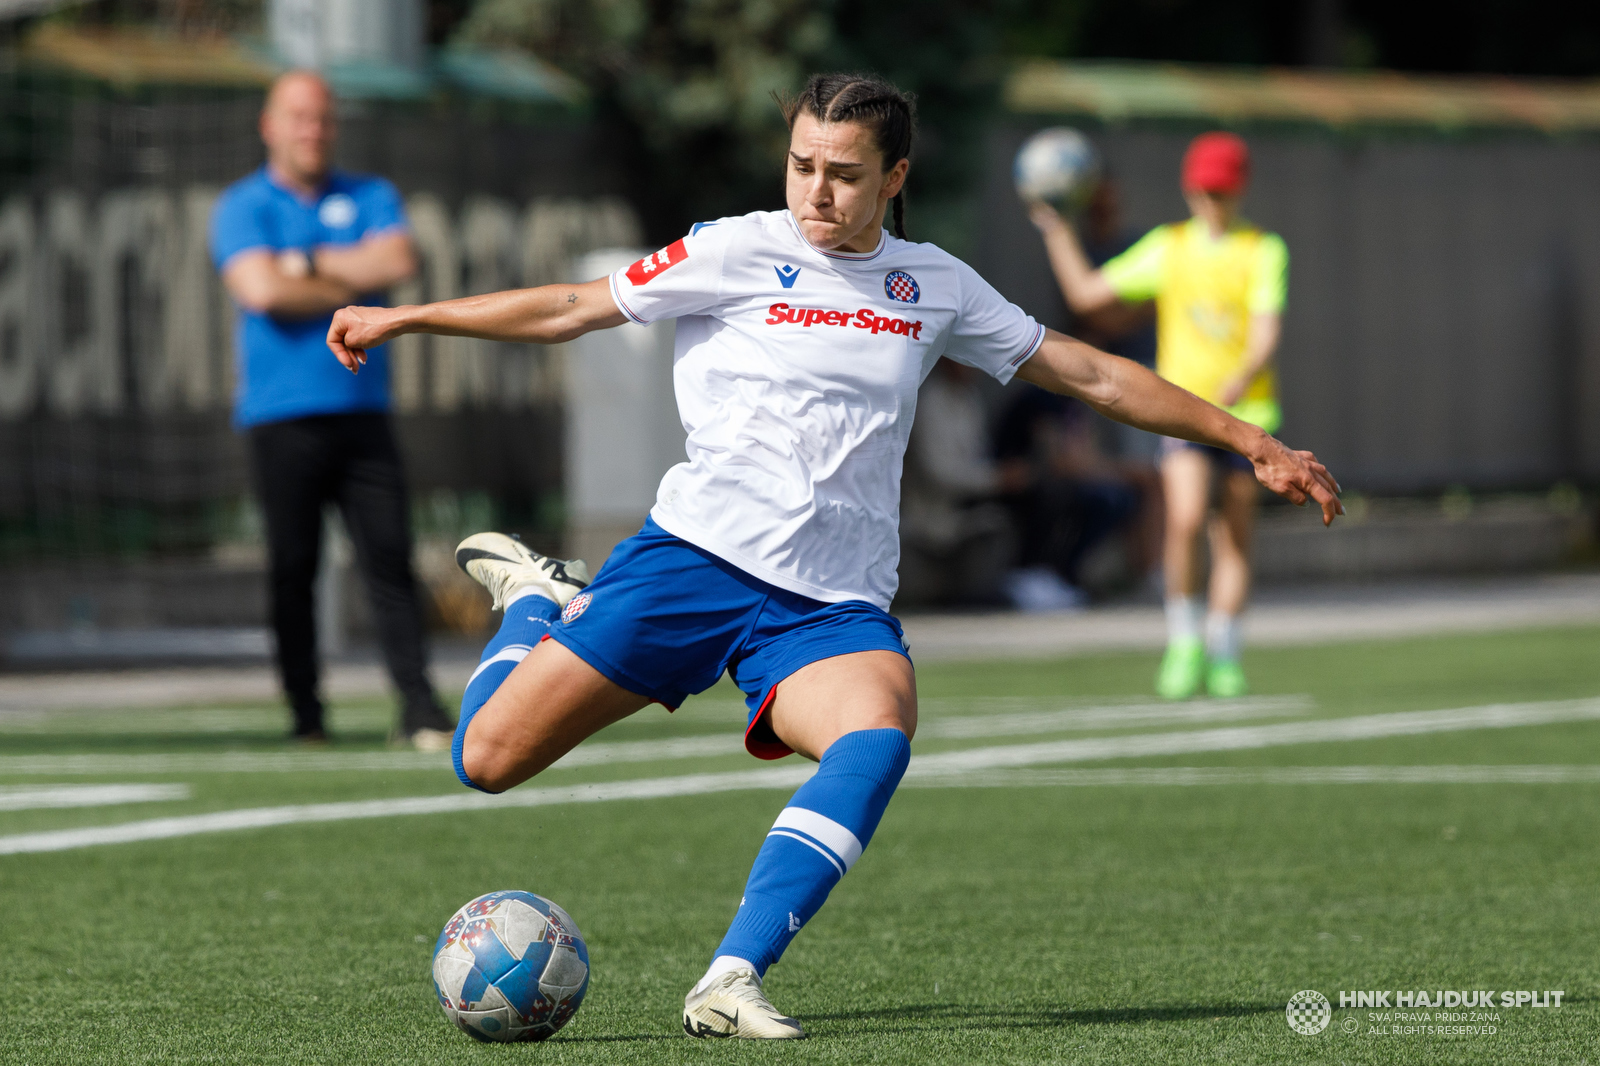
(964, 1016)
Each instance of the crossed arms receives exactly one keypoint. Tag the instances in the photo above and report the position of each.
(1118, 388)
(292, 284)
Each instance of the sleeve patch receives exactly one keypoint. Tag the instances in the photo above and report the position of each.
(651, 265)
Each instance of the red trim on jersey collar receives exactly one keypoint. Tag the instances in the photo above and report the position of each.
(848, 257)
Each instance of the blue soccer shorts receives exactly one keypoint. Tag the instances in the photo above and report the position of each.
(665, 619)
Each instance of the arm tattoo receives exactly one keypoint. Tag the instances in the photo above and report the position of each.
(572, 297)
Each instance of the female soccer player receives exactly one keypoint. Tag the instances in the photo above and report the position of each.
(770, 554)
(1218, 283)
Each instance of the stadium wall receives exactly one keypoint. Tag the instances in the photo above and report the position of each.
(1443, 327)
(116, 366)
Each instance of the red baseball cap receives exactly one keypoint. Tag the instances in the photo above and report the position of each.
(1216, 162)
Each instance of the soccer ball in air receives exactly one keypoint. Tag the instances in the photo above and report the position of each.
(1059, 166)
(510, 966)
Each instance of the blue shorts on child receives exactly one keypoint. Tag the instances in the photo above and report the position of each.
(665, 619)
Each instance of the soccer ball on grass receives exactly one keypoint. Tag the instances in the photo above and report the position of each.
(1059, 166)
(510, 966)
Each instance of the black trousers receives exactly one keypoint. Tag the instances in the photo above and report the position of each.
(350, 460)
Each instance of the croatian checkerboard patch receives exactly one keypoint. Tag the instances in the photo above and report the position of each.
(902, 287)
(576, 606)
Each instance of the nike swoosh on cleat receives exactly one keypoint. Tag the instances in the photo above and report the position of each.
(701, 1029)
(467, 555)
(733, 1021)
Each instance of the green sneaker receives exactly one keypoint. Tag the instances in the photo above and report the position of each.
(1226, 679)
(1182, 669)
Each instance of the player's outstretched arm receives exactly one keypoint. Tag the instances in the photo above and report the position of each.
(549, 314)
(1124, 390)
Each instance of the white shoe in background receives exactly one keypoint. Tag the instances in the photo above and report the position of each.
(1040, 588)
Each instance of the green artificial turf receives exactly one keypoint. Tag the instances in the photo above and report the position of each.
(1115, 924)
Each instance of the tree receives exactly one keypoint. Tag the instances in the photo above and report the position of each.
(689, 85)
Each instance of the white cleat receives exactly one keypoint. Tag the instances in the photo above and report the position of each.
(504, 566)
(734, 1005)
(431, 740)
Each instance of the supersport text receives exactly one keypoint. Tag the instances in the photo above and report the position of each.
(866, 318)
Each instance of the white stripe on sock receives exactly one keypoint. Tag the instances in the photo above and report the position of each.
(832, 835)
(512, 653)
(812, 844)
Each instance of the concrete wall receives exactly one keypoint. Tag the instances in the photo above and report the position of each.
(1444, 298)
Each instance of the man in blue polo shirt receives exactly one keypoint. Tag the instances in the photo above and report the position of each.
(295, 241)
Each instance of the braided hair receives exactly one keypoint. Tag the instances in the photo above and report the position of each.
(890, 114)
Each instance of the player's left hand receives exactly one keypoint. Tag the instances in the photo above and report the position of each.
(1298, 477)
(355, 329)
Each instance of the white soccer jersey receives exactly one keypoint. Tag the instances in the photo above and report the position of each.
(796, 373)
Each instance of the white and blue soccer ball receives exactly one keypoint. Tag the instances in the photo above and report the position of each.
(1059, 166)
(510, 966)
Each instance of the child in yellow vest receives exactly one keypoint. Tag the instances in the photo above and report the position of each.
(1219, 285)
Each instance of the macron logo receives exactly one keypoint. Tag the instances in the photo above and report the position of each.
(787, 274)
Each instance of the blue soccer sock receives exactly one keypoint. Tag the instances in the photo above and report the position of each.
(527, 622)
(814, 842)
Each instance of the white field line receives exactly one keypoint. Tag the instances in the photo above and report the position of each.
(1362, 727)
(455, 803)
(945, 765)
(31, 798)
(1105, 716)
(1266, 775)
(1113, 716)
(325, 761)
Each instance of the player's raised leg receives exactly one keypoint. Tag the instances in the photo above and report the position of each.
(1186, 481)
(855, 714)
(1231, 530)
(531, 700)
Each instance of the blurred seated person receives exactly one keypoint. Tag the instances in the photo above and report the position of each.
(1064, 494)
(1127, 329)
(956, 538)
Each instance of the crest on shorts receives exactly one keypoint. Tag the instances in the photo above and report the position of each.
(902, 287)
(576, 606)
